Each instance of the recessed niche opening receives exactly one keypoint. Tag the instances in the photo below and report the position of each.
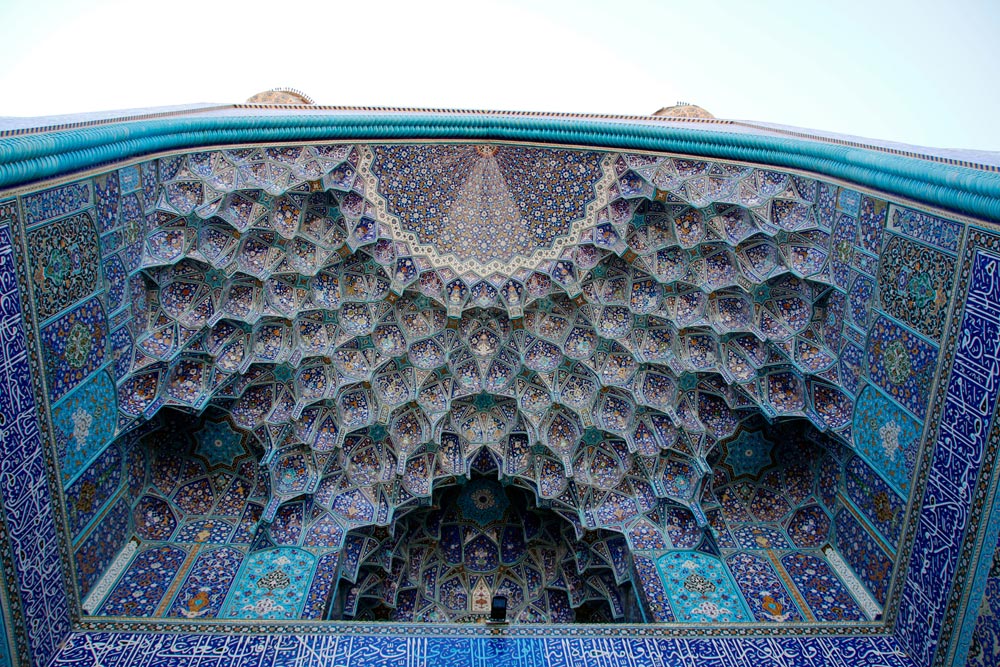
(205, 531)
(477, 540)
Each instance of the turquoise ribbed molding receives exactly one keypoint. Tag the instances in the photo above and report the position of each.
(32, 158)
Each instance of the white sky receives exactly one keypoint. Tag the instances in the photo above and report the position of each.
(916, 71)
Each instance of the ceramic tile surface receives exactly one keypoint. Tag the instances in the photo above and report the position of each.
(962, 449)
(389, 382)
(985, 648)
(552, 651)
(35, 575)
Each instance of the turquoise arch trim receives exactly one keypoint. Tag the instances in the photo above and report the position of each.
(31, 158)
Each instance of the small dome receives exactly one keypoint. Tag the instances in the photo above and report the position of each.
(684, 110)
(281, 96)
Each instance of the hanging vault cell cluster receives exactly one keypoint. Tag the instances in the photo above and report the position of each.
(626, 314)
(484, 540)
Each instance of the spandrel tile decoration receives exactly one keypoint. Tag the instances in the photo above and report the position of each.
(332, 386)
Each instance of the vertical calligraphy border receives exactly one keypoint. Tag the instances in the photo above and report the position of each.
(36, 536)
(942, 537)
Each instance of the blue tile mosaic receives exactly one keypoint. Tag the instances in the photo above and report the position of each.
(984, 649)
(205, 588)
(149, 576)
(941, 546)
(129, 178)
(36, 579)
(938, 232)
(327, 574)
(272, 584)
(57, 202)
(915, 285)
(121, 351)
(74, 346)
(871, 222)
(863, 553)
(547, 650)
(100, 546)
(700, 588)
(107, 193)
(887, 437)
(590, 322)
(84, 423)
(882, 506)
(155, 520)
(902, 364)
(87, 496)
(765, 594)
(64, 263)
(117, 283)
(7, 644)
(827, 597)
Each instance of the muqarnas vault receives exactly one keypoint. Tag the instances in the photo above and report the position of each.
(688, 387)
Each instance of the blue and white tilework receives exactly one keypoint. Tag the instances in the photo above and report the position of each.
(339, 314)
(887, 437)
(27, 502)
(963, 447)
(271, 584)
(141, 589)
(700, 588)
(205, 588)
(551, 649)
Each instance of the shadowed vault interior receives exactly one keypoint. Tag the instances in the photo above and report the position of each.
(281, 385)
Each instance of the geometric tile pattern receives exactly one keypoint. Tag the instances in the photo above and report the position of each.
(643, 327)
(480, 540)
(432, 566)
(222, 444)
(487, 207)
(597, 361)
(776, 508)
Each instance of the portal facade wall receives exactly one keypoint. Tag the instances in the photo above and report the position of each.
(927, 283)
